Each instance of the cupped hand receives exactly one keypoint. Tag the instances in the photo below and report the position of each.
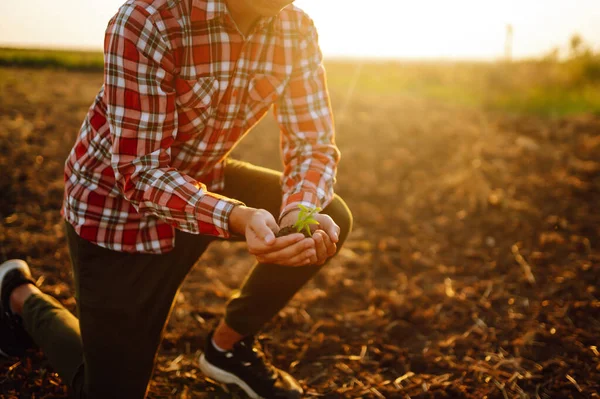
(259, 228)
(325, 236)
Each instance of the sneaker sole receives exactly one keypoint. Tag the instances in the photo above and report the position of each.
(226, 377)
(11, 265)
(5, 268)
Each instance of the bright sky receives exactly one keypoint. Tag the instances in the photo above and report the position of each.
(382, 28)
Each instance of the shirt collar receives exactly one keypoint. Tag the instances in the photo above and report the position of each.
(213, 9)
(209, 9)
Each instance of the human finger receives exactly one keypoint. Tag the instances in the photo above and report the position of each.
(302, 259)
(330, 245)
(305, 246)
(327, 224)
(258, 247)
(320, 246)
(263, 224)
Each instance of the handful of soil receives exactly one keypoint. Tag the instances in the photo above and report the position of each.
(286, 231)
(303, 222)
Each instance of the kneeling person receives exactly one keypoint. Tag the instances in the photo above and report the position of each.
(149, 185)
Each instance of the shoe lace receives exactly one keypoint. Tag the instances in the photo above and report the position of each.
(253, 357)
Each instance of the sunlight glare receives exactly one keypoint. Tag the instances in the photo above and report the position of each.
(472, 29)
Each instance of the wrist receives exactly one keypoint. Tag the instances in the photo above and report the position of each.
(239, 217)
(288, 218)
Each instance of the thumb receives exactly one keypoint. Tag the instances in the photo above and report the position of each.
(332, 229)
(334, 232)
(264, 226)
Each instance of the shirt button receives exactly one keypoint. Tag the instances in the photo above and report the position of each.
(234, 93)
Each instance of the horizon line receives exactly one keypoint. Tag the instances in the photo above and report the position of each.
(326, 56)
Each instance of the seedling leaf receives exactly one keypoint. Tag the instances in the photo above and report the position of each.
(305, 219)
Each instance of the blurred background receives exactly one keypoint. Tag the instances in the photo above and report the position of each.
(432, 29)
(527, 56)
(470, 140)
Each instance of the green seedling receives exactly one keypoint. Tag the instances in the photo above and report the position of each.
(306, 219)
(303, 222)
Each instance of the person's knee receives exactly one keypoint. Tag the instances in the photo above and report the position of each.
(342, 216)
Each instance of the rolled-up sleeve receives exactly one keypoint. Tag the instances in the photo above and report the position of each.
(141, 112)
(309, 153)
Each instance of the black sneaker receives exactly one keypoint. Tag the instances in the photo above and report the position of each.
(14, 340)
(246, 366)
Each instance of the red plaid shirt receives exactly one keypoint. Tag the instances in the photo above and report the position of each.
(181, 87)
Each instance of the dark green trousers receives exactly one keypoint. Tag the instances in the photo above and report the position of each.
(124, 300)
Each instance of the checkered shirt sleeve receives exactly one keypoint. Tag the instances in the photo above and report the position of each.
(309, 153)
(141, 113)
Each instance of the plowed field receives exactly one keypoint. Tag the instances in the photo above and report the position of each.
(473, 269)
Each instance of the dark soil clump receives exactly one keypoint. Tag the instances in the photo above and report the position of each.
(286, 231)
